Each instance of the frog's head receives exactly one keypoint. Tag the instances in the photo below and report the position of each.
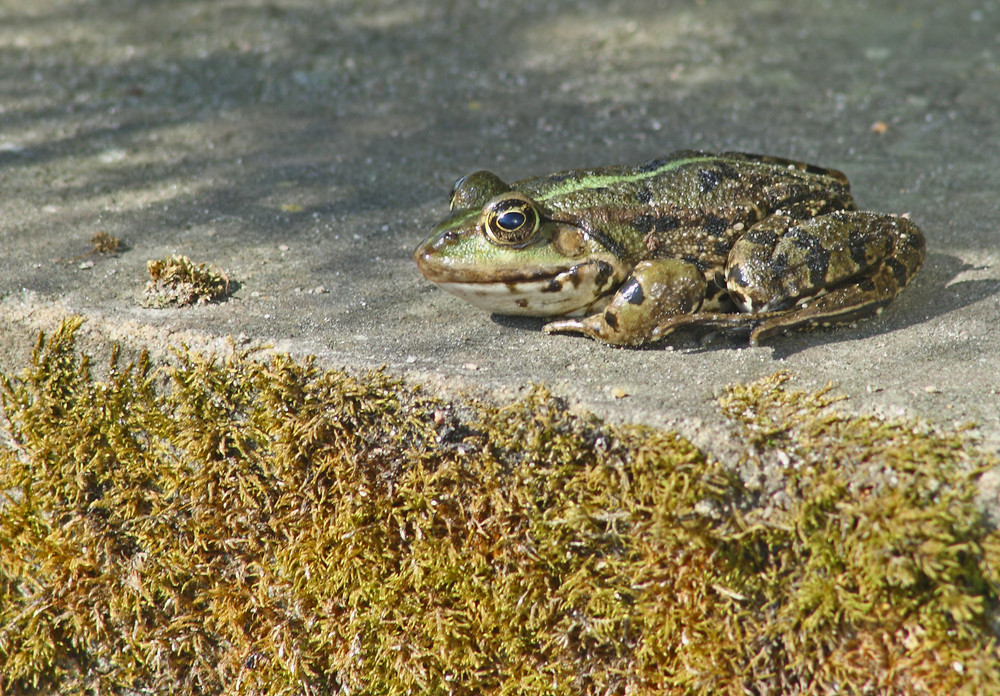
(504, 252)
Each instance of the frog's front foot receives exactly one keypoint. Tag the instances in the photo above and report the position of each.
(656, 290)
(595, 326)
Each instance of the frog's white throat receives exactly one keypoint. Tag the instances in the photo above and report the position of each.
(577, 290)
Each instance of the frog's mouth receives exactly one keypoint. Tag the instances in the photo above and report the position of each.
(558, 290)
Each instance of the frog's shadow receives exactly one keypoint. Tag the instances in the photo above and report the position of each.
(931, 290)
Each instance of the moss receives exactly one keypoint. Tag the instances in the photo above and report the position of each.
(260, 525)
(176, 280)
(879, 568)
(100, 243)
(104, 243)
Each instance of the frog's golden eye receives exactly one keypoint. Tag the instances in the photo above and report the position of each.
(511, 220)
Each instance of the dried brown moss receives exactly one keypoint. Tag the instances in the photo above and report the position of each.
(263, 526)
(104, 243)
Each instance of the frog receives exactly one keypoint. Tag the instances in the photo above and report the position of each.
(728, 242)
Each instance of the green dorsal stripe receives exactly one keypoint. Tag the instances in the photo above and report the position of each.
(597, 180)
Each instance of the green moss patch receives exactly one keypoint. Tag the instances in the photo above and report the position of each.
(256, 524)
(176, 280)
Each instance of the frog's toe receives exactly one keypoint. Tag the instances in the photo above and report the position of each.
(565, 326)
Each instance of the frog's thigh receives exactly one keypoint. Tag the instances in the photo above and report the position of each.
(782, 262)
(656, 290)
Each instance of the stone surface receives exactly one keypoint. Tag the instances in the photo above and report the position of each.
(307, 147)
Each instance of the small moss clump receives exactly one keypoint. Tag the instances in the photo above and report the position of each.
(100, 243)
(256, 524)
(104, 243)
(176, 280)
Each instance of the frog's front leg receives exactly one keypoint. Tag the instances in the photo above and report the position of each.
(655, 291)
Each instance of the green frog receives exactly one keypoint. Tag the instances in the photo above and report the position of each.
(629, 254)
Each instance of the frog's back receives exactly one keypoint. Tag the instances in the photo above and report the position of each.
(689, 204)
(688, 178)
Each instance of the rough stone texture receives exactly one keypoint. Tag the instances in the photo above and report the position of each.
(307, 147)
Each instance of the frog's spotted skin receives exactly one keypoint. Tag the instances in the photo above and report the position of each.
(731, 241)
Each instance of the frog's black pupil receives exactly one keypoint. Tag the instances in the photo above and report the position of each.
(511, 220)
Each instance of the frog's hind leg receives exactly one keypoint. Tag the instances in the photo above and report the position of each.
(845, 304)
(834, 268)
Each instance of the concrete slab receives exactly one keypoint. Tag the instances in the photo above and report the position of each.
(306, 147)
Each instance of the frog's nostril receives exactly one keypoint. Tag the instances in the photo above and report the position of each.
(441, 240)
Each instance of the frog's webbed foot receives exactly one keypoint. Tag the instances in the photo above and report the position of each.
(657, 289)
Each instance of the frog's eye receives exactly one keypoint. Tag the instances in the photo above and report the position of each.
(511, 220)
(474, 190)
(453, 199)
